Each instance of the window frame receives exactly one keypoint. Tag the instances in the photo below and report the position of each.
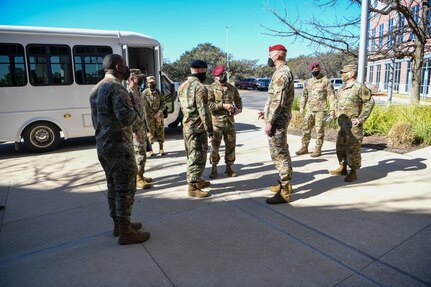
(14, 68)
(74, 54)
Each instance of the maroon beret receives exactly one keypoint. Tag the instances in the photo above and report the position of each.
(314, 65)
(217, 71)
(277, 47)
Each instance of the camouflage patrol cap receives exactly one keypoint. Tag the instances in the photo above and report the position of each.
(151, 79)
(136, 73)
(349, 68)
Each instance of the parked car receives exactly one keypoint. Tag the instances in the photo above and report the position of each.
(247, 84)
(263, 84)
(297, 84)
(336, 82)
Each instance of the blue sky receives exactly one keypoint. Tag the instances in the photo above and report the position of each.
(178, 25)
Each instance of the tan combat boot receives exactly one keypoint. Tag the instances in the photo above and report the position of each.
(275, 188)
(141, 183)
(150, 153)
(352, 176)
(133, 225)
(195, 191)
(161, 151)
(229, 171)
(302, 150)
(341, 170)
(203, 183)
(127, 235)
(213, 173)
(282, 196)
(317, 152)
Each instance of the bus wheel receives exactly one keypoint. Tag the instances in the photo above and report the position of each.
(41, 137)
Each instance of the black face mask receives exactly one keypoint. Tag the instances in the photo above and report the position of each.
(201, 76)
(223, 78)
(315, 73)
(152, 86)
(140, 82)
(271, 62)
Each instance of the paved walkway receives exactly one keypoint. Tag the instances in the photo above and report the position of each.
(55, 229)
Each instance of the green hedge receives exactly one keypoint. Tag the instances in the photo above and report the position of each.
(382, 119)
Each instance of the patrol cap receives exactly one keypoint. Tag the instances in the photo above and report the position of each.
(151, 79)
(217, 71)
(349, 68)
(277, 47)
(136, 73)
(314, 65)
(198, 64)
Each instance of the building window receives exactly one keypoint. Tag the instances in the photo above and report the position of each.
(408, 76)
(381, 33)
(400, 28)
(387, 75)
(49, 65)
(379, 68)
(397, 76)
(371, 74)
(12, 66)
(88, 63)
(425, 81)
(390, 32)
(415, 13)
(373, 39)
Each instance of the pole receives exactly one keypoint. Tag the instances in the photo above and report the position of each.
(227, 52)
(363, 42)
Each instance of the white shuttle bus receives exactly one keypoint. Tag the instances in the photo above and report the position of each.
(46, 75)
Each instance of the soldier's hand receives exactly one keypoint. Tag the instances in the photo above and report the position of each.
(355, 122)
(260, 115)
(237, 111)
(228, 107)
(139, 137)
(268, 129)
(332, 114)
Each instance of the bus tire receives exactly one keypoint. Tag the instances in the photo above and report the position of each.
(41, 136)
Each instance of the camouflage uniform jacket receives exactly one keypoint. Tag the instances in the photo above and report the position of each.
(217, 96)
(278, 107)
(194, 105)
(155, 102)
(113, 115)
(139, 104)
(316, 93)
(355, 101)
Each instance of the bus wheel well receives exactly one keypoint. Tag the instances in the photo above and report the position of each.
(41, 136)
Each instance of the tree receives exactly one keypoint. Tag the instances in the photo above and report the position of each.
(343, 34)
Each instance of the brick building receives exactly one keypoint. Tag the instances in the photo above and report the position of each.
(387, 33)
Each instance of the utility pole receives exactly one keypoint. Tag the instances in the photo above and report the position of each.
(227, 51)
(363, 42)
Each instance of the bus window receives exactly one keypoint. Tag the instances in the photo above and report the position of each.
(12, 67)
(88, 63)
(49, 65)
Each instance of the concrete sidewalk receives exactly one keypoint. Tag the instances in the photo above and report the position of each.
(375, 232)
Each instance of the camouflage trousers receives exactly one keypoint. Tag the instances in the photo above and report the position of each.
(196, 149)
(228, 133)
(312, 119)
(280, 155)
(140, 153)
(348, 144)
(156, 130)
(120, 175)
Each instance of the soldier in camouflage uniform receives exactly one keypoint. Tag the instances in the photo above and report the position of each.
(315, 95)
(224, 103)
(139, 130)
(353, 107)
(197, 126)
(277, 115)
(155, 105)
(113, 116)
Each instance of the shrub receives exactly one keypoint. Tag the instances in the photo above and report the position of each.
(401, 135)
(296, 121)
